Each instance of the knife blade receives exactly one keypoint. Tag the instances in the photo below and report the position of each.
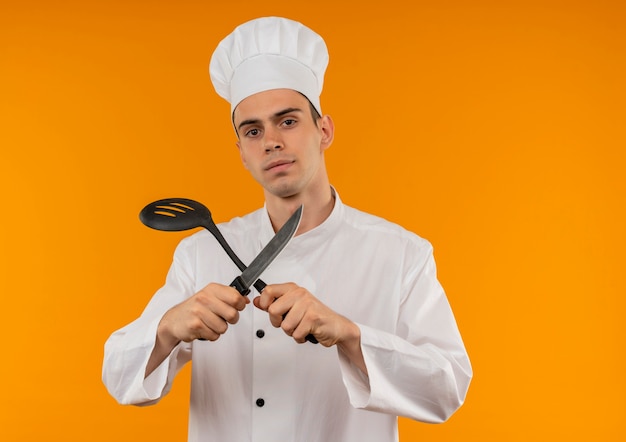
(273, 248)
(268, 254)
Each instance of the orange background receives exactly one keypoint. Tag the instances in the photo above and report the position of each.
(495, 129)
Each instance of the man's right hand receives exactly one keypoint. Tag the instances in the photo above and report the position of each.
(205, 315)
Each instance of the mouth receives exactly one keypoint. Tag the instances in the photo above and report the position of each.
(279, 165)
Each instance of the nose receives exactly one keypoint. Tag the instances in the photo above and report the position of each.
(272, 140)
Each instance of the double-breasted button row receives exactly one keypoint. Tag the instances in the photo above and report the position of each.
(259, 334)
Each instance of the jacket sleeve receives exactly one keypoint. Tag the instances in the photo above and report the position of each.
(128, 349)
(421, 371)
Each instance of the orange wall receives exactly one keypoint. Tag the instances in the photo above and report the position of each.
(495, 129)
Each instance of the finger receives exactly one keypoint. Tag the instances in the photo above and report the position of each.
(303, 331)
(257, 302)
(208, 335)
(199, 328)
(272, 292)
(295, 321)
(210, 313)
(266, 298)
(230, 296)
(214, 324)
(221, 311)
(279, 309)
(224, 301)
(275, 320)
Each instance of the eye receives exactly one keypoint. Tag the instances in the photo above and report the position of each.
(289, 122)
(252, 133)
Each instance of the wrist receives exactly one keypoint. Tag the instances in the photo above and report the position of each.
(350, 338)
(350, 345)
(165, 337)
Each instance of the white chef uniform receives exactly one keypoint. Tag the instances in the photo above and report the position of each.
(256, 384)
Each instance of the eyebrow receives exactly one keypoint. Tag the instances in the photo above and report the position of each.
(276, 115)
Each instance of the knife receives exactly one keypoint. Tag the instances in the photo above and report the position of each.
(243, 282)
(251, 274)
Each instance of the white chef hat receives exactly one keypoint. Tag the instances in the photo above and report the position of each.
(269, 53)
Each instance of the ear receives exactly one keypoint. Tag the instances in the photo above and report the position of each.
(327, 129)
(241, 155)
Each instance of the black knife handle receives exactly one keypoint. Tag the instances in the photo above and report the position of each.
(240, 286)
(259, 285)
(311, 339)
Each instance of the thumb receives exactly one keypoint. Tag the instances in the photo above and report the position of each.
(257, 303)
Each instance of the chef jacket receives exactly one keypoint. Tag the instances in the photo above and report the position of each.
(255, 383)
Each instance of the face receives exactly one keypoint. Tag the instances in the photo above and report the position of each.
(280, 144)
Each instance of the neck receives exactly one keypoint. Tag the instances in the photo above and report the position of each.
(317, 207)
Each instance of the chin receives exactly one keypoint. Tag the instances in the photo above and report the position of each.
(283, 190)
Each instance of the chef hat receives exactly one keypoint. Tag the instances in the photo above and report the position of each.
(269, 53)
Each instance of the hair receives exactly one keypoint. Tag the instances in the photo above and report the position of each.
(314, 113)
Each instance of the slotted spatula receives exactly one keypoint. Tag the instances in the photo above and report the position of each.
(178, 214)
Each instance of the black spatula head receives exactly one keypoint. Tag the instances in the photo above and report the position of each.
(175, 215)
